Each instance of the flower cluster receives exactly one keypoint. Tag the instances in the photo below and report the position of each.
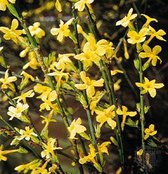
(73, 84)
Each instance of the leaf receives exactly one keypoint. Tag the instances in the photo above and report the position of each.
(138, 107)
(85, 136)
(114, 141)
(44, 133)
(13, 11)
(23, 83)
(146, 109)
(46, 60)
(15, 142)
(82, 100)
(67, 86)
(22, 150)
(132, 123)
(145, 66)
(97, 131)
(2, 62)
(24, 119)
(136, 64)
(151, 143)
(98, 167)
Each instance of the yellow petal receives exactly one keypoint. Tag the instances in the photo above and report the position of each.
(119, 111)
(152, 92)
(111, 123)
(98, 82)
(81, 86)
(54, 31)
(14, 24)
(132, 114)
(157, 49)
(158, 85)
(90, 91)
(58, 6)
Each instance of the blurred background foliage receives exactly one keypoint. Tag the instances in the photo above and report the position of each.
(107, 13)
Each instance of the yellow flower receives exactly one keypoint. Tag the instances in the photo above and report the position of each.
(95, 99)
(48, 105)
(26, 79)
(106, 115)
(139, 152)
(36, 31)
(17, 112)
(158, 34)
(148, 20)
(89, 84)
(124, 112)
(49, 148)
(46, 92)
(126, 20)
(7, 81)
(47, 119)
(151, 54)
(101, 47)
(60, 77)
(88, 57)
(116, 71)
(12, 33)
(80, 5)
(5, 152)
(150, 86)
(93, 51)
(63, 30)
(42, 169)
(117, 85)
(150, 131)
(4, 4)
(25, 95)
(64, 62)
(76, 128)
(27, 134)
(32, 61)
(90, 157)
(47, 96)
(27, 76)
(53, 168)
(137, 37)
(25, 168)
(102, 148)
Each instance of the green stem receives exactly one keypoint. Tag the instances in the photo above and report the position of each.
(128, 80)
(142, 114)
(112, 99)
(93, 24)
(110, 89)
(91, 127)
(122, 68)
(88, 112)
